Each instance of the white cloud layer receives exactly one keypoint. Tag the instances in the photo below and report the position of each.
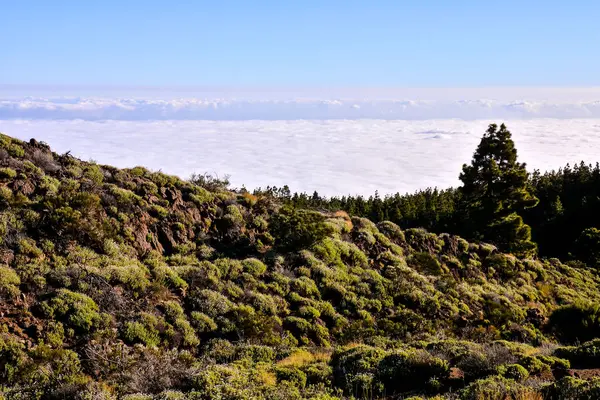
(138, 109)
(334, 157)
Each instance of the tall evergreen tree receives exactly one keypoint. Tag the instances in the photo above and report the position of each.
(494, 193)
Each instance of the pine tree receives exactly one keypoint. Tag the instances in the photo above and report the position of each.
(495, 192)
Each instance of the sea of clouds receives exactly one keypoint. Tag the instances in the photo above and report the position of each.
(335, 145)
(132, 109)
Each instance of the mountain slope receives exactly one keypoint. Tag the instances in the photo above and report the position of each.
(116, 282)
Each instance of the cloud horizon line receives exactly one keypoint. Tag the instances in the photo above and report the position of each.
(235, 109)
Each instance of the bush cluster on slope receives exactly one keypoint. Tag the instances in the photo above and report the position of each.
(134, 284)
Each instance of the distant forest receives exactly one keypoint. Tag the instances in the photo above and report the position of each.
(569, 205)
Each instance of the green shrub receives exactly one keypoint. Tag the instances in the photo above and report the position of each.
(137, 396)
(16, 150)
(74, 171)
(305, 287)
(354, 369)
(231, 223)
(573, 388)
(188, 335)
(291, 374)
(29, 248)
(229, 268)
(254, 267)
(76, 309)
(220, 350)
(556, 362)
(49, 369)
(496, 388)
(475, 360)
(540, 363)
(5, 141)
(210, 182)
(169, 277)
(587, 247)
(12, 356)
(144, 331)
(94, 173)
(6, 194)
(133, 276)
(426, 263)
(256, 353)
(158, 211)
(54, 334)
(503, 264)
(500, 310)
(173, 310)
(534, 365)
(200, 197)
(515, 372)
(210, 302)
(576, 322)
(298, 229)
(392, 231)
(7, 173)
(586, 355)
(299, 327)
(405, 370)
(139, 171)
(309, 312)
(422, 241)
(202, 322)
(9, 282)
(125, 197)
(318, 373)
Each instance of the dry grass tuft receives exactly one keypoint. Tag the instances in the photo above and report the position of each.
(303, 357)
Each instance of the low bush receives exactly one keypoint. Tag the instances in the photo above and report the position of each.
(498, 388)
(292, 375)
(412, 369)
(7, 174)
(355, 369)
(586, 355)
(515, 372)
(298, 229)
(76, 309)
(9, 282)
(578, 322)
(573, 388)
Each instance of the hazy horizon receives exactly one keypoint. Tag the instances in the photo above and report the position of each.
(340, 97)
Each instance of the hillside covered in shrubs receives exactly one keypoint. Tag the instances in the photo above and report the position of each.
(128, 283)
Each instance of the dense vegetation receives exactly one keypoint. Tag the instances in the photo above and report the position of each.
(138, 285)
(563, 222)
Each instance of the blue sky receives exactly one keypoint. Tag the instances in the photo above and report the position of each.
(300, 43)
